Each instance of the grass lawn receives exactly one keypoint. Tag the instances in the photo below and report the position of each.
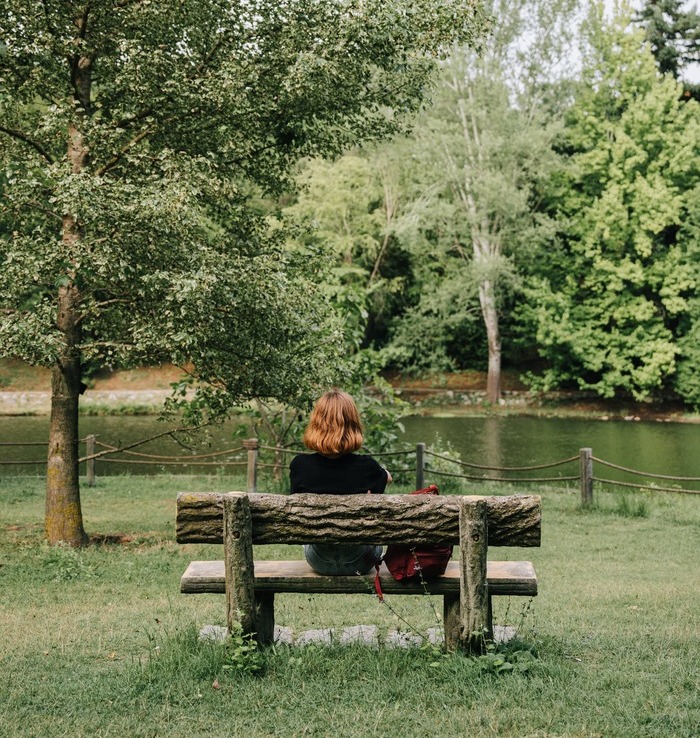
(99, 642)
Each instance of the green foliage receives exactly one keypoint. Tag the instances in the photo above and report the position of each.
(687, 382)
(619, 280)
(63, 563)
(687, 379)
(432, 335)
(673, 32)
(177, 657)
(444, 462)
(181, 115)
(631, 508)
(478, 155)
(137, 140)
(351, 208)
(243, 656)
(500, 659)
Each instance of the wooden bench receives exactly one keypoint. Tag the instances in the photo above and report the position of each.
(239, 520)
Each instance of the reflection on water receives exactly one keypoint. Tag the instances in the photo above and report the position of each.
(492, 443)
(661, 448)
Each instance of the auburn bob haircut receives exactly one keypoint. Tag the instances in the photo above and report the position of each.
(334, 426)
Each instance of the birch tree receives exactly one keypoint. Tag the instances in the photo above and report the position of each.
(484, 145)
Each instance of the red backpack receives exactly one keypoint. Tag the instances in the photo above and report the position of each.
(424, 561)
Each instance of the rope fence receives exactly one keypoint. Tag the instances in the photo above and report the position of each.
(502, 479)
(116, 449)
(428, 464)
(503, 468)
(646, 474)
(648, 488)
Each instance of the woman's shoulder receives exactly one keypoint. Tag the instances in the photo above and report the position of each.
(301, 461)
(364, 460)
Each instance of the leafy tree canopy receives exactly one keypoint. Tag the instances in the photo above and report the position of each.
(620, 279)
(673, 32)
(148, 124)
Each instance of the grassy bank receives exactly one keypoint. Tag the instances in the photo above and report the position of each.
(99, 642)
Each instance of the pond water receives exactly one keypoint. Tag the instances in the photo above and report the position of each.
(653, 447)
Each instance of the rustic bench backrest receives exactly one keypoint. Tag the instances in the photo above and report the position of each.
(238, 520)
(513, 520)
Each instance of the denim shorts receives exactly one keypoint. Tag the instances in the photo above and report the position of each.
(337, 558)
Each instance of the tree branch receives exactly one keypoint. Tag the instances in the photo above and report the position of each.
(83, 22)
(118, 156)
(20, 136)
(102, 344)
(46, 210)
(99, 305)
(115, 450)
(49, 25)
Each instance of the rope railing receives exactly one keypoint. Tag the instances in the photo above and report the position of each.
(644, 474)
(422, 468)
(279, 449)
(174, 463)
(393, 453)
(502, 479)
(116, 449)
(503, 468)
(649, 488)
(27, 443)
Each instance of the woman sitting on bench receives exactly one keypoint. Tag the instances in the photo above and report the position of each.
(334, 433)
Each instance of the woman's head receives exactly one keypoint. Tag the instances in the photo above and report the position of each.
(334, 426)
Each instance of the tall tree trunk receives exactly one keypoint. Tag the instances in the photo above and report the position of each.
(489, 312)
(63, 521)
(486, 253)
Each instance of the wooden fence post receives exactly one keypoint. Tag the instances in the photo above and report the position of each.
(238, 563)
(90, 463)
(586, 459)
(251, 444)
(420, 465)
(473, 588)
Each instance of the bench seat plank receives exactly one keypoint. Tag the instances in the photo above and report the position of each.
(504, 578)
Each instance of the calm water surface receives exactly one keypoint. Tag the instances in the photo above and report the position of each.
(655, 447)
(661, 448)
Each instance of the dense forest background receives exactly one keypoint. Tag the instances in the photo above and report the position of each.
(530, 200)
(542, 214)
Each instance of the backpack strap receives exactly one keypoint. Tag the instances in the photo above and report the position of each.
(378, 584)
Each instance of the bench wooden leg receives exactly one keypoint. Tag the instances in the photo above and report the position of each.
(238, 563)
(489, 619)
(265, 616)
(452, 621)
(473, 589)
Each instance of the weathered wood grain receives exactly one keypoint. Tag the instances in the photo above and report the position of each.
(239, 567)
(473, 593)
(513, 520)
(516, 578)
